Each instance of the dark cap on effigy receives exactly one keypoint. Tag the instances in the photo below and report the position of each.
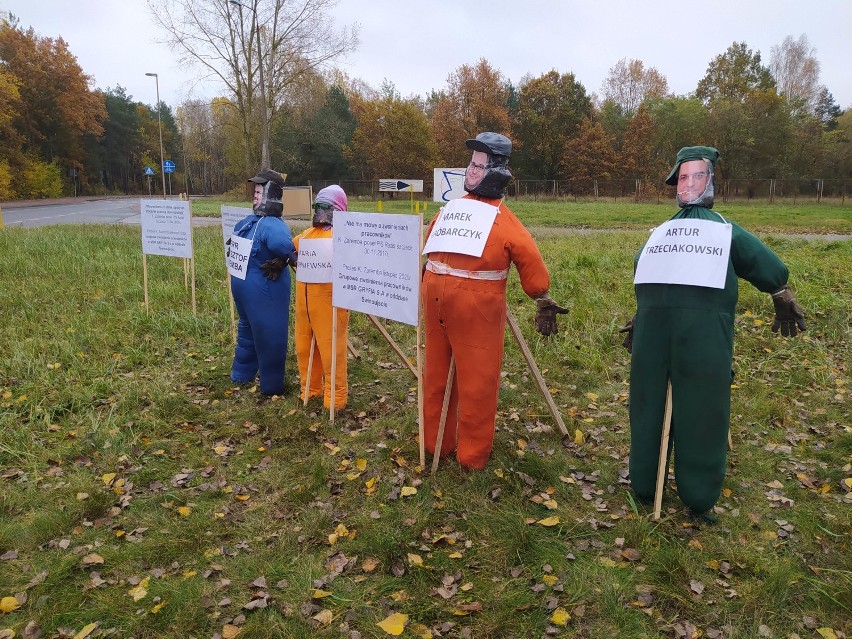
(268, 175)
(491, 143)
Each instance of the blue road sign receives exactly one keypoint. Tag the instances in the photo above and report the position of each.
(168, 166)
(149, 171)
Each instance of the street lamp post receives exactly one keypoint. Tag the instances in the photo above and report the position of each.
(264, 149)
(160, 127)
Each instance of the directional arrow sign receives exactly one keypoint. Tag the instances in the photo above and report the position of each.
(168, 166)
(401, 185)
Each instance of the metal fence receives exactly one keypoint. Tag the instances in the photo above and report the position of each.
(628, 190)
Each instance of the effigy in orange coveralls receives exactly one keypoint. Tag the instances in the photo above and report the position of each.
(314, 308)
(464, 302)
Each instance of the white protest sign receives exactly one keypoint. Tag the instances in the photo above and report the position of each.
(376, 265)
(463, 227)
(692, 252)
(166, 228)
(230, 216)
(448, 184)
(237, 256)
(314, 261)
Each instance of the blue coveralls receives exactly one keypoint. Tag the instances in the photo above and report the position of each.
(263, 306)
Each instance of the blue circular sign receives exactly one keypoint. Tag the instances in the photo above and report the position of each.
(168, 166)
(149, 170)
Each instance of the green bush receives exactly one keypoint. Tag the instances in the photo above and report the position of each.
(40, 179)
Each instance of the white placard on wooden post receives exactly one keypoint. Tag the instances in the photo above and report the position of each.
(167, 231)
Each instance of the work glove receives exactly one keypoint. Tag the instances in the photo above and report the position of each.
(545, 315)
(788, 314)
(272, 268)
(292, 259)
(628, 338)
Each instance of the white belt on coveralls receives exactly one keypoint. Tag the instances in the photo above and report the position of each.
(443, 269)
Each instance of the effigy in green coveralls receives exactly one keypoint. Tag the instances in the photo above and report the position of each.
(686, 286)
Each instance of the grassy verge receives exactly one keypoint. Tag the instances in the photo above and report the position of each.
(758, 217)
(145, 493)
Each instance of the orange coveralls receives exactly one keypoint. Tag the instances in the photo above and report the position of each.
(313, 318)
(466, 318)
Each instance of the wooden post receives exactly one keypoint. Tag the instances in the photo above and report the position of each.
(448, 391)
(333, 364)
(516, 332)
(308, 372)
(663, 465)
(145, 280)
(393, 344)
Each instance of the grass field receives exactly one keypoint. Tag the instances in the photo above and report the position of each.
(758, 217)
(142, 492)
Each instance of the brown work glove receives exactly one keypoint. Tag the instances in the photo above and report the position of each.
(628, 338)
(788, 314)
(545, 316)
(293, 259)
(272, 268)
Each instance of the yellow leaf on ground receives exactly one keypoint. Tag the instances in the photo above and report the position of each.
(579, 437)
(548, 521)
(8, 604)
(7, 633)
(560, 616)
(184, 510)
(361, 464)
(94, 558)
(229, 631)
(415, 560)
(827, 633)
(107, 479)
(158, 607)
(140, 591)
(320, 594)
(421, 631)
(592, 396)
(394, 624)
(726, 492)
(242, 497)
(369, 564)
(407, 491)
(848, 482)
(86, 630)
(549, 579)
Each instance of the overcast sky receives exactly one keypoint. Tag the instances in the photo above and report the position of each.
(416, 45)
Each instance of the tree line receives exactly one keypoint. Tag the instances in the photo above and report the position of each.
(61, 136)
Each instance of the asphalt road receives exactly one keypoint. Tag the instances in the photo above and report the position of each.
(101, 211)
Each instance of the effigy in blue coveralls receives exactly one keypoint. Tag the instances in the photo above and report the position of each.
(686, 284)
(262, 288)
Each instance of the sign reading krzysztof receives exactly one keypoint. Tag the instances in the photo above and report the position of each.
(166, 228)
(376, 264)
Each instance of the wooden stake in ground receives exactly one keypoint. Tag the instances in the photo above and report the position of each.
(333, 364)
(145, 281)
(663, 465)
(308, 373)
(393, 344)
(451, 374)
(525, 349)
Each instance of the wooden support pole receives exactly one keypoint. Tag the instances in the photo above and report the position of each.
(448, 391)
(333, 364)
(393, 344)
(307, 379)
(663, 465)
(525, 349)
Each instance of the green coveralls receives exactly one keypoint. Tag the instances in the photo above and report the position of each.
(686, 334)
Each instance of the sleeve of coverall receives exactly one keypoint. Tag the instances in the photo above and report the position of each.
(755, 262)
(532, 271)
(279, 240)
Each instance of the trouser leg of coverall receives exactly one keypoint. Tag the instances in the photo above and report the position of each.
(244, 367)
(436, 369)
(304, 333)
(701, 406)
(478, 351)
(322, 326)
(692, 347)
